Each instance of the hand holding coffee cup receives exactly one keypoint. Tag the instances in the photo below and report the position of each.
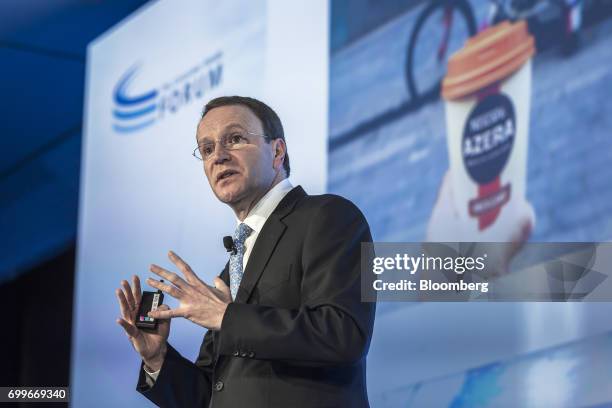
(445, 226)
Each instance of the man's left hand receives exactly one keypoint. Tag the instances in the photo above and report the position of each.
(202, 304)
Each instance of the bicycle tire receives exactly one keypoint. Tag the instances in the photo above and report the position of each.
(465, 10)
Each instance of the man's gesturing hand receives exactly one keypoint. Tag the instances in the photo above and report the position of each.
(151, 345)
(202, 304)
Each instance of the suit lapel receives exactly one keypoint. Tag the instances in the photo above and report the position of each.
(268, 237)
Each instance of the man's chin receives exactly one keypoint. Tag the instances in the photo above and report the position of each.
(228, 195)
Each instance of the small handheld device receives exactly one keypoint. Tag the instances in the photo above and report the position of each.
(148, 303)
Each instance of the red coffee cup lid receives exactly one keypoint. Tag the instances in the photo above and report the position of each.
(488, 57)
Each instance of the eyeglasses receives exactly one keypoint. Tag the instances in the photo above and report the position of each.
(231, 141)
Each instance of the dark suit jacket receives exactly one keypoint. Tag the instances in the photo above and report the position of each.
(297, 334)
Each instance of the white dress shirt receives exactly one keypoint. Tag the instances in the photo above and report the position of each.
(259, 215)
(256, 219)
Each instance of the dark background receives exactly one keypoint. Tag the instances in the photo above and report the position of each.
(42, 54)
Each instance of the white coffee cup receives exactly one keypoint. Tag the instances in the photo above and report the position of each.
(487, 102)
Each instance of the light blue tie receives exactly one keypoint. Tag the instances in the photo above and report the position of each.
(235, 262)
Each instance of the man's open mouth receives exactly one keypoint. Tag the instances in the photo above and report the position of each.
(225, 174)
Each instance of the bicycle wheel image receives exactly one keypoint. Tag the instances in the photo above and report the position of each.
(441, 29)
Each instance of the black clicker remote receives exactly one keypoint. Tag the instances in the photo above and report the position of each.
(150, 302)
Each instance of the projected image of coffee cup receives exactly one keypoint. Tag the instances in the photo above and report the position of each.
(487, 101)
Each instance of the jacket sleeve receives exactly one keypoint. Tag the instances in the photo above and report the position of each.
(332, 326)
(180, 382)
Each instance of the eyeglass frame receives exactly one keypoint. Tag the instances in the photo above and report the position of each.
(218, 141)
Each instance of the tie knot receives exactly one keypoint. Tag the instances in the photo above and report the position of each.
(241, 233)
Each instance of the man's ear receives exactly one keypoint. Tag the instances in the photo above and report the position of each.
(279, 152)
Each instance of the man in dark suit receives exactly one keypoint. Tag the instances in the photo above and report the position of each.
(287, 327)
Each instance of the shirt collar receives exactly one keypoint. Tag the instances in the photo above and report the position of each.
(266, 205)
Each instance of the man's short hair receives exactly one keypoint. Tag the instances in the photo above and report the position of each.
(272, 126)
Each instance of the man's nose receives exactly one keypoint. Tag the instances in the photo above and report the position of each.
(220, 154)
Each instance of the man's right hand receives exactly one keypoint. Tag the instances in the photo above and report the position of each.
(151, 345)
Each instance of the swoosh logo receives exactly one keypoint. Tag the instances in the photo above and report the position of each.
(132, 112)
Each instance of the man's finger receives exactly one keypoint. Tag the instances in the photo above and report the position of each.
(221, 286)
(126, 311)
(165, 314)
(164, 308)
(136, 291)
(127, 291)
(169, 276)
(184, 267)
(169, 289)
(130, 329)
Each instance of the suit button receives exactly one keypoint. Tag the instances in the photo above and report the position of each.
(218, 386)
(251, 354)
(236, 353)
(243, 354)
